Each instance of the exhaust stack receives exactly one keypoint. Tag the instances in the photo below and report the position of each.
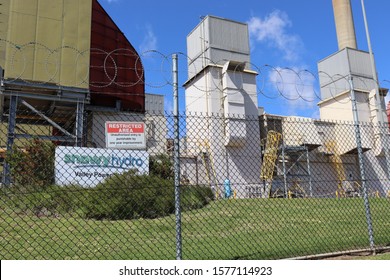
(344, 24)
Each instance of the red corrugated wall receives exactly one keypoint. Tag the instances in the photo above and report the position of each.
(116, 71)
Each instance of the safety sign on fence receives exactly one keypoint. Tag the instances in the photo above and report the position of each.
(125, 135)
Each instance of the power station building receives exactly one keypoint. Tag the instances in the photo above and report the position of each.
(263, 155)
(67, 62)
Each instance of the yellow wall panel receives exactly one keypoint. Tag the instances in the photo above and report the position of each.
(24, 7)
(48, 32)
(51, 9)
(82, 14)
(84, 29)
(61, 32)
(19, 54)
(46, 61)
(4, 14)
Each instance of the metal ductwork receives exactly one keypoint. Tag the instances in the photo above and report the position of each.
(344, 24)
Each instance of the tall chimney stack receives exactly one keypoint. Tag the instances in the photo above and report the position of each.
(344, 24)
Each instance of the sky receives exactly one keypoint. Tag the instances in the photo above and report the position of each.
(286, 37)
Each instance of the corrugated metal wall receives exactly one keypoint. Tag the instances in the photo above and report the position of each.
(154, 103)
(4, 14)
(50, 25)
(116, 71)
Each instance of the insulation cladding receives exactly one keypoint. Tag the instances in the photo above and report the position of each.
(116, 71)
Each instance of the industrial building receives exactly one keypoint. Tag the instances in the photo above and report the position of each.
(299, 156)
(69, 66)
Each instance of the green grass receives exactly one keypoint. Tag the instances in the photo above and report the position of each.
(385, 256)
(225, 229)
(363, 256)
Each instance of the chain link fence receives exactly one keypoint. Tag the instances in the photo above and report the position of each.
(250, 188)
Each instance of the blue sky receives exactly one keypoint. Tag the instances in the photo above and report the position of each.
(283, 34)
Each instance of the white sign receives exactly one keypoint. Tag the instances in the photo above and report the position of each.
(125, 135)
(88, 167)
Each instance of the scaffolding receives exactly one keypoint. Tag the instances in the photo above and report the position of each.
(293, 171)
(296, 169)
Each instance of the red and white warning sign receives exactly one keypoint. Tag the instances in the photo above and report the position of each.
(125, 135)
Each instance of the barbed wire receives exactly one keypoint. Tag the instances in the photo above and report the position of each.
(272, 82)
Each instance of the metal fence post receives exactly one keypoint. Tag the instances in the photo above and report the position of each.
(176, 157)
(361, 165)
(10, 137)
(284, 172)
(79, 123)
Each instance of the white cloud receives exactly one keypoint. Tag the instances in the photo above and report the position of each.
(149, 41)
(273, 30)
(296, 87)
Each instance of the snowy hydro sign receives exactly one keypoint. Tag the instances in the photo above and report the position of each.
(125, 135)
(89, 166)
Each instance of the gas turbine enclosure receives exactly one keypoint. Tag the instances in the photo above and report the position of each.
(215, 41)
